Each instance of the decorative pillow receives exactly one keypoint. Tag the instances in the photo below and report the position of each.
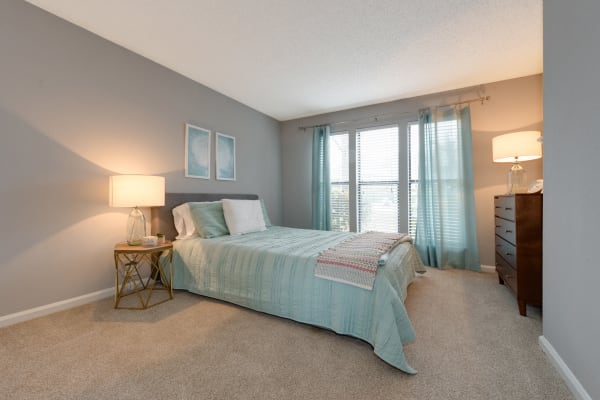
(208, 219)
(243, 216)
(266, 216)
(183, 222)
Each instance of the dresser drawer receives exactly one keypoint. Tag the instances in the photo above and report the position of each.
(506, 230)
(506, 272)
(507, 250)
(504, 207)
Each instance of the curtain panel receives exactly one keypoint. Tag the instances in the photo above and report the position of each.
(446, 234)
(321, 210)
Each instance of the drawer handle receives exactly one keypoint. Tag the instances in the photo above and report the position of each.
(508, 208)
(508, 231)
(509, 254)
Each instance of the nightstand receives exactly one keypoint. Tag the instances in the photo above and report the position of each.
(140, 271)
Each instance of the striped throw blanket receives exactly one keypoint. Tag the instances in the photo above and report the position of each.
(355, 261)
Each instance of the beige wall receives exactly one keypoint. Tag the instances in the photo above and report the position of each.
(514, 105)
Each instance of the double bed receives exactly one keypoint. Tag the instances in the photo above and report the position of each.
(273, 271)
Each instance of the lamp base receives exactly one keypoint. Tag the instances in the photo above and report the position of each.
(136, 227)
(517, 179)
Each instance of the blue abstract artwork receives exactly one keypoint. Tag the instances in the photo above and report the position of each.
(225, 157)
(197, 152)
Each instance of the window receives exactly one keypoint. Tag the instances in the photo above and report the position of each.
(340, 181)
(368, 187)
(377, 175)
(413, 176)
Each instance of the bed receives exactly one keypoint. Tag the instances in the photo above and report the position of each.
(273, 271)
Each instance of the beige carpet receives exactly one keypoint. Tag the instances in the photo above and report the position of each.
(471, 344)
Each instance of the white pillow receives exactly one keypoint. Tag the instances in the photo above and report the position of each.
(184, 223)
(243, 216)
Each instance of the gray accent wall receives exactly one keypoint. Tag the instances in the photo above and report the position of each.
(75, 109)
(514, 105)
(571, 191)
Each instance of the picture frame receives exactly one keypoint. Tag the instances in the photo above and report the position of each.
(197, 152)
(225, 154)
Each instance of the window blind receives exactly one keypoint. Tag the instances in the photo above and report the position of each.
(450, 204)
(377, 163)
(413, 176)
(340, 181)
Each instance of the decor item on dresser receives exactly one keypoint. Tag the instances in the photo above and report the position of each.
(515, 148)
(197, 152)
(519, 246)
(272, 269)
(136, 191)
(225, 157)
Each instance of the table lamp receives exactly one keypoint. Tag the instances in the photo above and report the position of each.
(136, 191)
(514, 148)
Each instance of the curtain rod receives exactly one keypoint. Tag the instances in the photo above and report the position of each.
(376, 117)
(481, 99)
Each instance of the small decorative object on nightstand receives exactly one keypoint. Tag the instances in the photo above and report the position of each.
(140, 271)
(519, 246)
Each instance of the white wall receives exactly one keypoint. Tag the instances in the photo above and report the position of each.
(74, 109)
(571, 192)
(515, 104)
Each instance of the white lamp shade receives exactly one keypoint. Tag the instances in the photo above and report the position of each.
(521, 146)
(136, 191)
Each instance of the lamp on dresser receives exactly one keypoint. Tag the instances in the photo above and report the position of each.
(136, 191)
(515, 148)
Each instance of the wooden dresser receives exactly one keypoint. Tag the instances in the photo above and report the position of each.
(519, 246)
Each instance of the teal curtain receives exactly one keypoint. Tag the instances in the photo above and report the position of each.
(321, 214)
(446, 234)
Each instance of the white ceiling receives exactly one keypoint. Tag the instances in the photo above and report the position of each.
(295, 58)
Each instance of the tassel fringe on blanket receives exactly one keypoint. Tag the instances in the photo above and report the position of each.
(355, 261)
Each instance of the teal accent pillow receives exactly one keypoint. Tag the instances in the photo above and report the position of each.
(209, 219)
(264, 210)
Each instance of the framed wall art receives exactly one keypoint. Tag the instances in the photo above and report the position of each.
(197, 152)
(225, 157)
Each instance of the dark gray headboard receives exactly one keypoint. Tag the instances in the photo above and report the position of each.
(162, 217)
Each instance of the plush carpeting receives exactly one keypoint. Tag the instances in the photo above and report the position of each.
(471, 344)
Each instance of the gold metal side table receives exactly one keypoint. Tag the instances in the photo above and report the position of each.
(139, 271)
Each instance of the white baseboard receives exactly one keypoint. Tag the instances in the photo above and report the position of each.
(572, 382)
(32, 313)
(488, 268)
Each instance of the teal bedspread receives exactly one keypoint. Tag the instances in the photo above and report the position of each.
(273, 272)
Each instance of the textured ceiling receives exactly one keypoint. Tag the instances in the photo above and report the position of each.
(290, 59)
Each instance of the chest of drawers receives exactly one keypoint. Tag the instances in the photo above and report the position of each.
(518, 220)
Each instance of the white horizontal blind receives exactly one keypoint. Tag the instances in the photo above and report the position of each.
(444, 139)
(448, 173)
(413, 176)
(340, 181)
(377, 163)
